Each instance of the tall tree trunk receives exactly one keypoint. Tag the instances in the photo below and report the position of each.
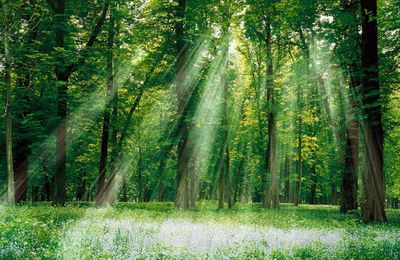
(354, 143)
(271, 192)
(351, 153)
(24, 67)
(21, 166)
(221, 182)
(313, 188)
(239, 176)
(373, 206)
(192, 188)
(102, 195)
(224, 190)
(351, 143)
(113, 140)
(228, 178)
(140, 172)
(182, 95)
(287, 178)
(7, 82)
(299, 152)
(80, 193)
(62, 97)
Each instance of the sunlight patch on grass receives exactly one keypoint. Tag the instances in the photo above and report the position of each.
(179, 238)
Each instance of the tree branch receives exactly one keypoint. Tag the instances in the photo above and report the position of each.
(96, 31)
(98, 26)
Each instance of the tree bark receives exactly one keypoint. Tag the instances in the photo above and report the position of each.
(183, 95)
(287, 178)
(313, 188)
(271, 185)
(62, 96)
(373, 206)
(299, 153)
(7, 82)
(102, 195)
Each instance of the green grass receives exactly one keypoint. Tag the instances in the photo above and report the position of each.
(157, 230)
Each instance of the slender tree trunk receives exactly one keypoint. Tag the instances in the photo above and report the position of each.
(48, 184)
(221, 182)
(373, 206)
(62, 97)
(7, 82)
(183, 96)
(140, 174)
(80, 193)
(334, 193)
(396, 203)
(224, 178)
(192, 188)
(103, 195)
(239, 176)
(299, 155)
(313, 188)
(287, 178)
(228, 178)
(114, 141)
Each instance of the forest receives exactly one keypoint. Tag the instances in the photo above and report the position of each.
(200, 129)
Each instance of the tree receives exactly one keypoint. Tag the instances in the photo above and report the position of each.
(373, 205)
(63, 70)
(271, 192)
(183, 93)
(7, 83)
(102, 194)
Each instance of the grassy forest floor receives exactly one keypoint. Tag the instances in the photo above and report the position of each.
(158, 231)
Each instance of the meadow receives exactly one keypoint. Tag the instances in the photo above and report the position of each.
(158, 231)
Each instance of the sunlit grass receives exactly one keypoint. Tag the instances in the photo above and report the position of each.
(156, 230)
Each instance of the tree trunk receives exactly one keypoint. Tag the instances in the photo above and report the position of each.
(140, 174)
(21, 166)
(80, 193)
(102, 195)
(334, 193)
(239, 176)
(183, 96)
(221, 181)
(396, 203)
(351, 148)
(287, 178)
(228, 196)
(62, 97)
(313, 188)
(192, 188)
(271, 185)
(373, 206)
(300, 158)
(48, 184)
(7, 82)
